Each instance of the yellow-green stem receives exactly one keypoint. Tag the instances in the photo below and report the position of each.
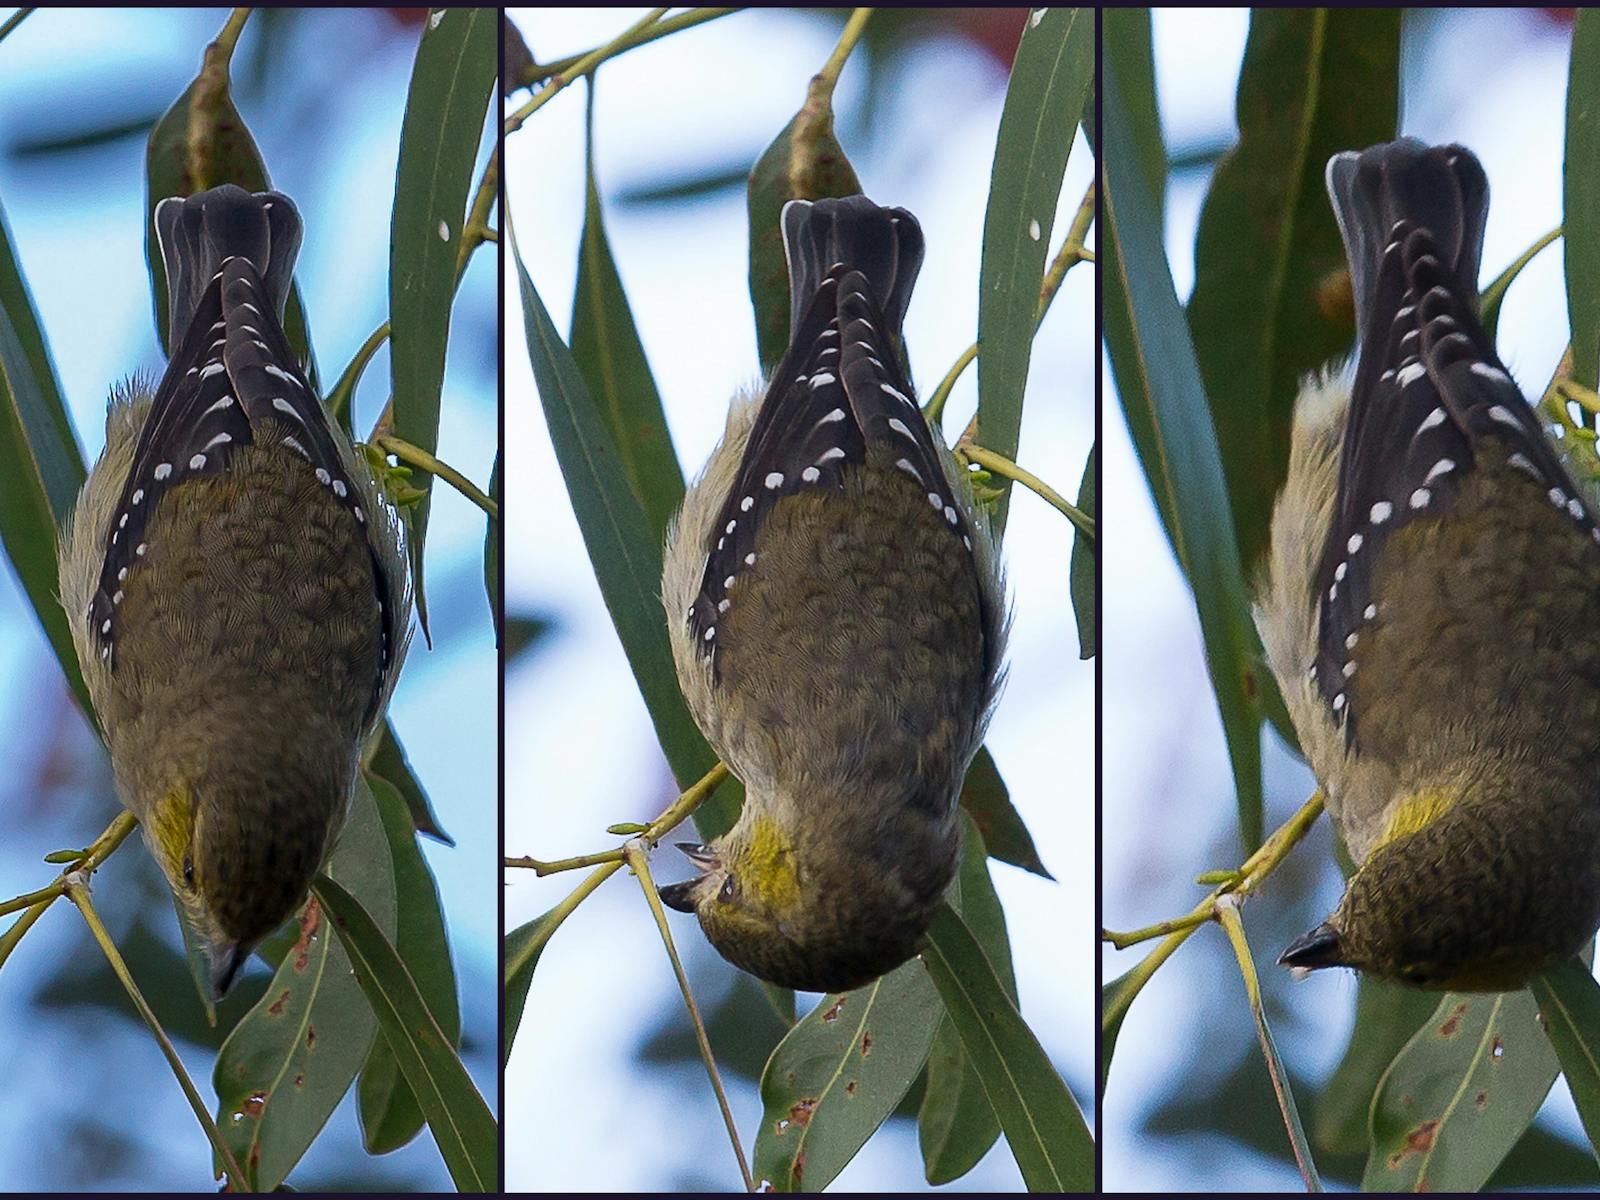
(416, 456)
(699, 16)
(582, 67)
(637, 852)
(1000, 465)
(1256, 869)
(78, 890)
(828, 77)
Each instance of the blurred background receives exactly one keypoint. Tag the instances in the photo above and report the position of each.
(604, 1090)
(1188, 1100)
(89, 1103)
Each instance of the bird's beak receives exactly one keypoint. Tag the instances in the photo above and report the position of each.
(680, 896)
(227, 959)
(1319, 948)
(703, 857)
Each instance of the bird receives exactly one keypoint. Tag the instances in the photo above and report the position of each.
(1429, 609)
(836, 612)
(236, 586)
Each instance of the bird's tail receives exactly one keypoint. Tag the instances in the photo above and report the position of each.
(1441, 189)
(884, 244)
(200, 232)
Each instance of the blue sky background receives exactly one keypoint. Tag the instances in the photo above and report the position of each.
(89, 1103)
(1494, 80)
(603, 1091)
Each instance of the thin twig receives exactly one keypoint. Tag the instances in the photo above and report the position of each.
(13, 21)
(78, 890)
(583, 66)
(35, 903)
(637, 853)
(416, 456)
(675, 814)
(826, 79)
(999, 464)
(1228, 914)
(538, 73)
(1256, 868)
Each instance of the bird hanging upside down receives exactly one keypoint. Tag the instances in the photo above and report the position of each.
(837, 621)
(1431, 611)
(236, 586)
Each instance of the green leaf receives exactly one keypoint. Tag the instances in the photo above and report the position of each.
(804, 162)
(1158, 384)
(387, 759)
(1125, 40)
(463, 1126)
(291, 1058)
(625, 553)
(1116, 998)
(1459, 1096)
(606, 347)
(227, 154)
(1387, 1014)
(1050, 82)
(41, 468)
(390, 1114)
(1580, 198)
(1042, 1123)
(956, 1124)
(1569, 1011)
(1083, 564)
(522, 949)
(838, 1074)
(451, 83)
(491, 555)
(1272, 296)
(987, 801)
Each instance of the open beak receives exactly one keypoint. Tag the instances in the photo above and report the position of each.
(227, 960)
(1319, 948)
(680, 896)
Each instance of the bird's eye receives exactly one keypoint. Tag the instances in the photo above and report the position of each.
(728, 888)
(188, 870)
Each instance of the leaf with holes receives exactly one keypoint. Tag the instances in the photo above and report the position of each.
(1460, 1095)
(291, 1058)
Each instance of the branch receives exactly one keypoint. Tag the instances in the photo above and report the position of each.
(1001, 465)
(77, 889)
(583, 66)
(563, 66)
(86, 862)
(415, 456)
(1174, 933)
(637, 854)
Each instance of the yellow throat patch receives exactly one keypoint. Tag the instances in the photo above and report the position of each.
(769, 867)
(1414, 813)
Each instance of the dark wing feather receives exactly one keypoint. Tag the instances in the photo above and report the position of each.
(1429, 388)
(231, 381)
(839, 388)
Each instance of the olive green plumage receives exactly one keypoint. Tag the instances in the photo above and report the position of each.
(249, 650)
(1458, 744)
(856, 661)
